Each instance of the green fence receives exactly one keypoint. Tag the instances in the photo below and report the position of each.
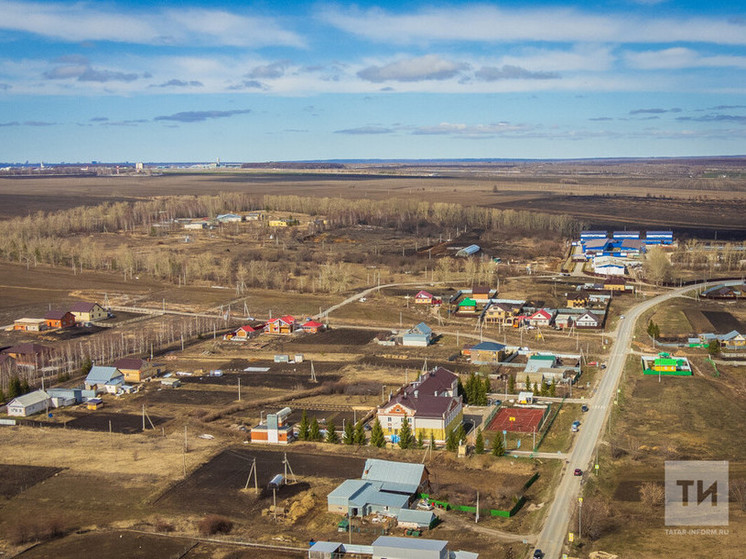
(491, 512)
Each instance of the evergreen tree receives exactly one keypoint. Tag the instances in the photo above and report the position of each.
(85, 367)
(511, 384)
(314, 432)
(528, 383)
(451, 442)
(479, 443)
(536, 388)
(486, 387)
(303, 428)
(331, 433)
(14, 387)
(25, 388)
(460, 434)
(349, 433)
(406, 440)
(553, 389)
(432, 440)
(377, 437)
(713, 348)
(421, 439)
(2, 395)
(360, 439)
(497, 446)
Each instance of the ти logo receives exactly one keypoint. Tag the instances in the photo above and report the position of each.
(696, 493)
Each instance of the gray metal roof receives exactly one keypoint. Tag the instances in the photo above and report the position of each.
(326, 547)
(101, 375)
(422, 517)
(396, 476)
(35, 397)
(409, 543)
(357, 492)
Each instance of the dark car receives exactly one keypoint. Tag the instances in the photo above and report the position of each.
(578, 472)
(538, 554)
(584, 407)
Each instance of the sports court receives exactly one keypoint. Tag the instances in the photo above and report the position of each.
(517, 420)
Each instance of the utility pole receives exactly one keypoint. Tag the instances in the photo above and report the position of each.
(580, 517)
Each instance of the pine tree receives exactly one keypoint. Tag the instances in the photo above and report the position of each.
(406, 440)
(360, 439)
(497, 446)
(14, 387)
(432, 440)
(553, 389)
(377, 437)
(86, 366)
(536, 388)
(511, 384)
(479, 443)
(331, 433)
(460, 434)
(528, 383)
(2, 395)
(420, 439)
(314, 432)
(451, 442)
(486, 388)
(303, 428)
(349, 433)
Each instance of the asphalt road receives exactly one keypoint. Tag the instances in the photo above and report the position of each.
(556, 526)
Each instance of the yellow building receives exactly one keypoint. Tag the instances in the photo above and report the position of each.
(431, 405)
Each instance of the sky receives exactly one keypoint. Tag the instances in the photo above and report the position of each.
(150, 81)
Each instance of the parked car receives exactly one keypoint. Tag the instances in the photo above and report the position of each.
(575, 426)
(424, 504)
(578, 472)
(584, 408)
(538, 554)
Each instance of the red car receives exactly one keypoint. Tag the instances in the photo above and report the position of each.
(578, 472)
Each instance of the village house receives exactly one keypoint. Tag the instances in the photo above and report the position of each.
(420, 335)
(430, 404)
(274, 430)
(385, 486)
(229, 218)
(615, 284)
(481, 293)
(30, 324)
(542, 317)
(588, 320)
(59, 319)
(287, 222)
(247, 332)
(467, 306)
(30, 355)
(134, 369)
(486, 353)
(29, 404)
(254, 216)
(88, 312)
(282, 325)
(425, 298)
(578, 299)
(313, 327)
(104, 379)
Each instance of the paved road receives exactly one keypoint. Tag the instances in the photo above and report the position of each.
(555, 528)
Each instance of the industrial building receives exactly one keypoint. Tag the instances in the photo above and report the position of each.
(388, 547)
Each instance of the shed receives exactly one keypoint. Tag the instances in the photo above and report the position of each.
(391, 547)
(30, 324)
(172, 382)
(487, 353)
(324, 550)
(132, 368)
(59, 319)
(418, 519)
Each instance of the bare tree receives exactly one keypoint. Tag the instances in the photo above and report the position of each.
(652, 494)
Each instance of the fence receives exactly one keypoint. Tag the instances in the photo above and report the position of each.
(445, 505)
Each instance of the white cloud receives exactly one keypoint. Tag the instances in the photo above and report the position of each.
(581, 58)
(491, 24)
(90, 22)
(428, 67)
(680, 57)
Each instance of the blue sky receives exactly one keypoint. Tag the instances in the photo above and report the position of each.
(258, 81)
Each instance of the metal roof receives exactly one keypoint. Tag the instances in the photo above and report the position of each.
(488, 346)
(35, 397)
(409, 543)
(396, 476)
(359, 492)
(423, 517)
(101, 375)
(326, 547)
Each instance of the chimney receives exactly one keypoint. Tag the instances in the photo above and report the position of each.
(416, 393)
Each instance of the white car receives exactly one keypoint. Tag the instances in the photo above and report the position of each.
(425, 505)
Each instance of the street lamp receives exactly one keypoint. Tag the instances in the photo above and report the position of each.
(580, 517)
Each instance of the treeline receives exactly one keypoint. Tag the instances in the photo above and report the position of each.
(403, 213)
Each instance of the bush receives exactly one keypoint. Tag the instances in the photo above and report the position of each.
(26, 530)
(215, 524)
(161, 525)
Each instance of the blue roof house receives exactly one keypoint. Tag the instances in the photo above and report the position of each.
(104, 379)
